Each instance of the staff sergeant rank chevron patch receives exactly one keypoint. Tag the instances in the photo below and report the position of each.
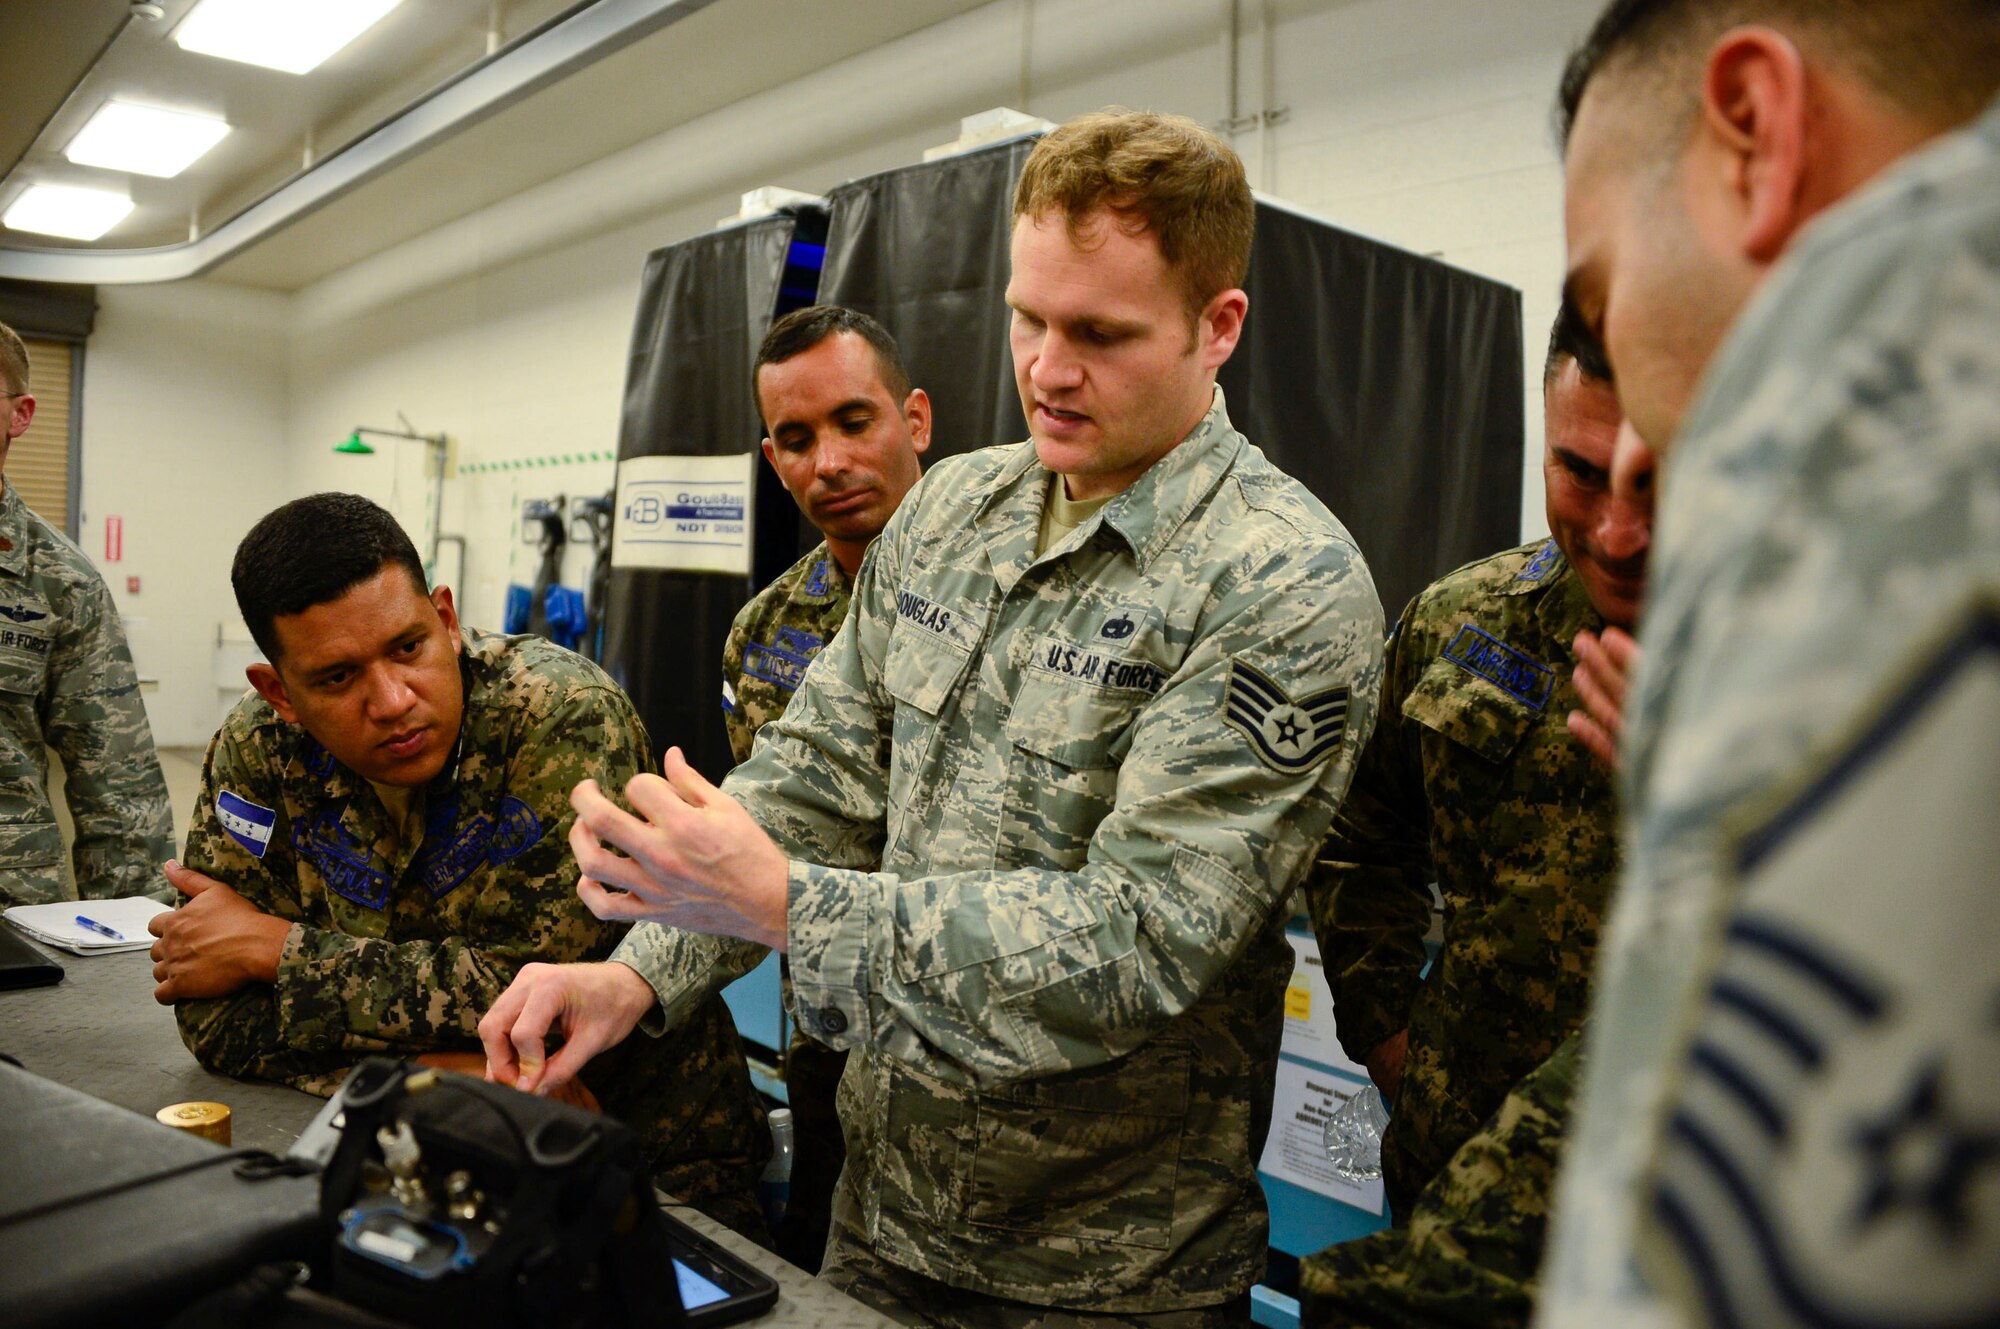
(1289, 737)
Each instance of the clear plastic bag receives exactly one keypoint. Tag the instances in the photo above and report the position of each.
(1354, 1136)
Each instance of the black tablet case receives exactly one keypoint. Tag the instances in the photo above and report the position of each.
(22, 965)
(108, 1217)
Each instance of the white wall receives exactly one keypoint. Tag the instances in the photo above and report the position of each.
(1423, 123)
(183, 429)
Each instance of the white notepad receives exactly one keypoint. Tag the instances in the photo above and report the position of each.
(55, 923)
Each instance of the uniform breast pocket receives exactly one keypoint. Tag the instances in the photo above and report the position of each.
(1093, 1155)
(1068, 741)
(1471, 711)
(921, 672)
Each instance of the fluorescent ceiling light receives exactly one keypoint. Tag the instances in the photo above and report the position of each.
(292, 35)
(123, 136)
(79, 214)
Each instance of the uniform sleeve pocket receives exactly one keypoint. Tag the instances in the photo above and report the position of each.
(1469, 710)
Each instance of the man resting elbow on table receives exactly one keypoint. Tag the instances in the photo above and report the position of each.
(381, 842)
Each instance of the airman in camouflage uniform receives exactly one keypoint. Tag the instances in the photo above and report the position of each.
(67, 682)
(401, 944)
(772, 641)
(1788, 1113)
(1474, 1239)
(1471, 778)
(1045, 812)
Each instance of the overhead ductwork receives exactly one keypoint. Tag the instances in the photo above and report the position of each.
(559, 48)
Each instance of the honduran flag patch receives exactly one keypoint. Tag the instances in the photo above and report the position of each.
(247, 823)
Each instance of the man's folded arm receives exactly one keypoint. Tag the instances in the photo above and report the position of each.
(336, 992)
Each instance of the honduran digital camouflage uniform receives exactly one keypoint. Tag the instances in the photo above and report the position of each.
(1468, 1254)
(1471, 779)
(772, 641)
(1044, 813)
(67, 682)
(1791, 1109)
(400, 948)
(770, 644)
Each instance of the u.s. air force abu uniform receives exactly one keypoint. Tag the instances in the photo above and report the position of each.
(402, 941)
(1791, 1113)
(1473, 780)
(67, 682)
(1044, 813)
(772, 641)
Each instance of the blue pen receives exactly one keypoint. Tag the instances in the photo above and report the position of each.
(99, 928)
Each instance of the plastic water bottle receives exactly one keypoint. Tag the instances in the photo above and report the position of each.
(1354, 1136)
(774, 1188)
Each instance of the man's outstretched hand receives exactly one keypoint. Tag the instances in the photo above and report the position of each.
(692, 859)
(592, 1007)
(215, 943)
(1604, 664)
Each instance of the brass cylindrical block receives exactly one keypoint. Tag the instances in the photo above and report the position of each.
(208, 1120)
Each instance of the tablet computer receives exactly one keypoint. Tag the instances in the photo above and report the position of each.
(717, 1286)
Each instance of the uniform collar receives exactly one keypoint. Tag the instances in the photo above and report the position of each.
(825, 580)
(1146, 515)
(1545, 567)
(13, 532)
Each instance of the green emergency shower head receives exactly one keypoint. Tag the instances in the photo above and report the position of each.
(353, 444)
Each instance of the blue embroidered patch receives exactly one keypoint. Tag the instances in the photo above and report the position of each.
(819, 582)
(342, 860)
(798, 641)
(456, 854)
(516, 831)
(1542, 563)
(22, 615)
(775, 666)
(249, 824)
(319, 762)
(1499, 663)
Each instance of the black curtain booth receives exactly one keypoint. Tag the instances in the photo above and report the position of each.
(704, 307)
(1390, 384)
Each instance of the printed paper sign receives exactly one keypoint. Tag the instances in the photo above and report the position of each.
(1309, 1027)
(685, 514)
(1296, 1149)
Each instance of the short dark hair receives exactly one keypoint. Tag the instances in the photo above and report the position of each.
(1570, 340)
(312, 551)
(802, 329)
(1939, 59)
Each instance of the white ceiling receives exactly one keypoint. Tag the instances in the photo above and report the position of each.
(718, 55)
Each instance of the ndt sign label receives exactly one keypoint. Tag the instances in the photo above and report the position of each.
(690, 514)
